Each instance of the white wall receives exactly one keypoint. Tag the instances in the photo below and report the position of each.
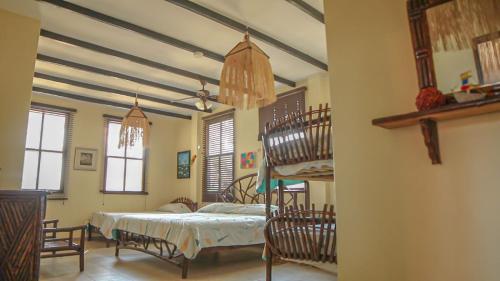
(168, 136)
(399, 217)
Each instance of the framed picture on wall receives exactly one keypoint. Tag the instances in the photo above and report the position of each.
(85, 159)
(183, 164)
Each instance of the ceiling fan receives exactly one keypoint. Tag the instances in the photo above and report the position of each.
(202, 95)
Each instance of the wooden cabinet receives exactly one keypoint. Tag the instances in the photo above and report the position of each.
(21, 215)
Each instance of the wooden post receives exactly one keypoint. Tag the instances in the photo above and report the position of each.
(269, 256)
(281, 196)
(430, 132)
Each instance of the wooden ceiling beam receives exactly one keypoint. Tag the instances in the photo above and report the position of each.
(106, 102)
(95, 70)
(308, 9)
(113, 91)
(238, 26)
(147, 33)
(111, 52)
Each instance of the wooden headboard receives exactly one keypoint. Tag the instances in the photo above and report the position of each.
(243, 191)
(193, 206)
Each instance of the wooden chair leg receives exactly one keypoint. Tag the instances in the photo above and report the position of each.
(82, 260)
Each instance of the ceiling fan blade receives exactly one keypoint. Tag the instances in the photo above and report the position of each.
(184, 99)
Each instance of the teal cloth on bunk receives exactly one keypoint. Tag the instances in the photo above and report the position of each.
(261, 181)
(274, 184)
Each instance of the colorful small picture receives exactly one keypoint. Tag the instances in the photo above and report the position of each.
(248, 160)
(183, 164)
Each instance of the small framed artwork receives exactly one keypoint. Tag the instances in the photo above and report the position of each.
(183, 164)
(248, 160)
(85, 159)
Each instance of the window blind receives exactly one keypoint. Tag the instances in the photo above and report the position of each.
(291, 101)
(48, 142)
(218, 154)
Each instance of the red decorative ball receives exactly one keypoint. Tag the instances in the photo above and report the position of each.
(429, 98)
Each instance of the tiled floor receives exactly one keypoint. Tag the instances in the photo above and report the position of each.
(102, 265)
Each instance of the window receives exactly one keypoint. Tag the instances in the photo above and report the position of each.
(218, 147)
(125, 167)
(291, 101)
(486, 50)
(47, 142)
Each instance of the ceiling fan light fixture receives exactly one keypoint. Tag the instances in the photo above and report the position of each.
(199, 104)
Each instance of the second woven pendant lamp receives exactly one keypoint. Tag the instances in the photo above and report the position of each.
(135, 127)
(247, 79)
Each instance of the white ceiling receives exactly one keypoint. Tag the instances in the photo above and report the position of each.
(276, 18)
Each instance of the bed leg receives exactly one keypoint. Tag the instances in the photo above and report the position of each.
(269, 264)
(117, 249)
(90, 232)
(185, 265)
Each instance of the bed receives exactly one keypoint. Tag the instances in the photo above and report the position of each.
(236, 222)
(103, 223)
(298, 146)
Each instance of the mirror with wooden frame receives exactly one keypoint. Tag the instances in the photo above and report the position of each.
(450, 38)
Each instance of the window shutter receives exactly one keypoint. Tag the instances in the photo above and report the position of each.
(218, 154)
(291, 101)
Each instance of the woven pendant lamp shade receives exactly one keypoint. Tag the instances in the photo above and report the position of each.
(135, 126)
(247, 79)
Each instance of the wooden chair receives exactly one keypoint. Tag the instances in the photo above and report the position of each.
(54, 247)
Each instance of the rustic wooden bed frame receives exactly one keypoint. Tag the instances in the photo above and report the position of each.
(242, 191)
(292, 232)
(91, 229)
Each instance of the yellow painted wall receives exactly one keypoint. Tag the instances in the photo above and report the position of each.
(168, 136)
(18, 44)
(247, 128)
(401, 218)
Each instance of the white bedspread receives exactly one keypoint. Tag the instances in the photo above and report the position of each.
(106, 221)
(195, 231)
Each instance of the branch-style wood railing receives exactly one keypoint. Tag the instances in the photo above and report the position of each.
(303, 234)
(299, 138)
(242, 191)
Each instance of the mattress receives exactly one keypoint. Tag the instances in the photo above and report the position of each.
(194, 231)
(106, 221)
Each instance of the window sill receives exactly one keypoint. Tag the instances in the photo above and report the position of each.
(57, 198)
(125, 192)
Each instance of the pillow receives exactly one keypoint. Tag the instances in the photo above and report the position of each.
(176, 208)
(232, 208)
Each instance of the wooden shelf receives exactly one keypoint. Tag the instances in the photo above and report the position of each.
(428, 120)
(447, 112)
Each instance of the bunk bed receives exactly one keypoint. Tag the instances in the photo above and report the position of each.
(298, 146)
(237, 221)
